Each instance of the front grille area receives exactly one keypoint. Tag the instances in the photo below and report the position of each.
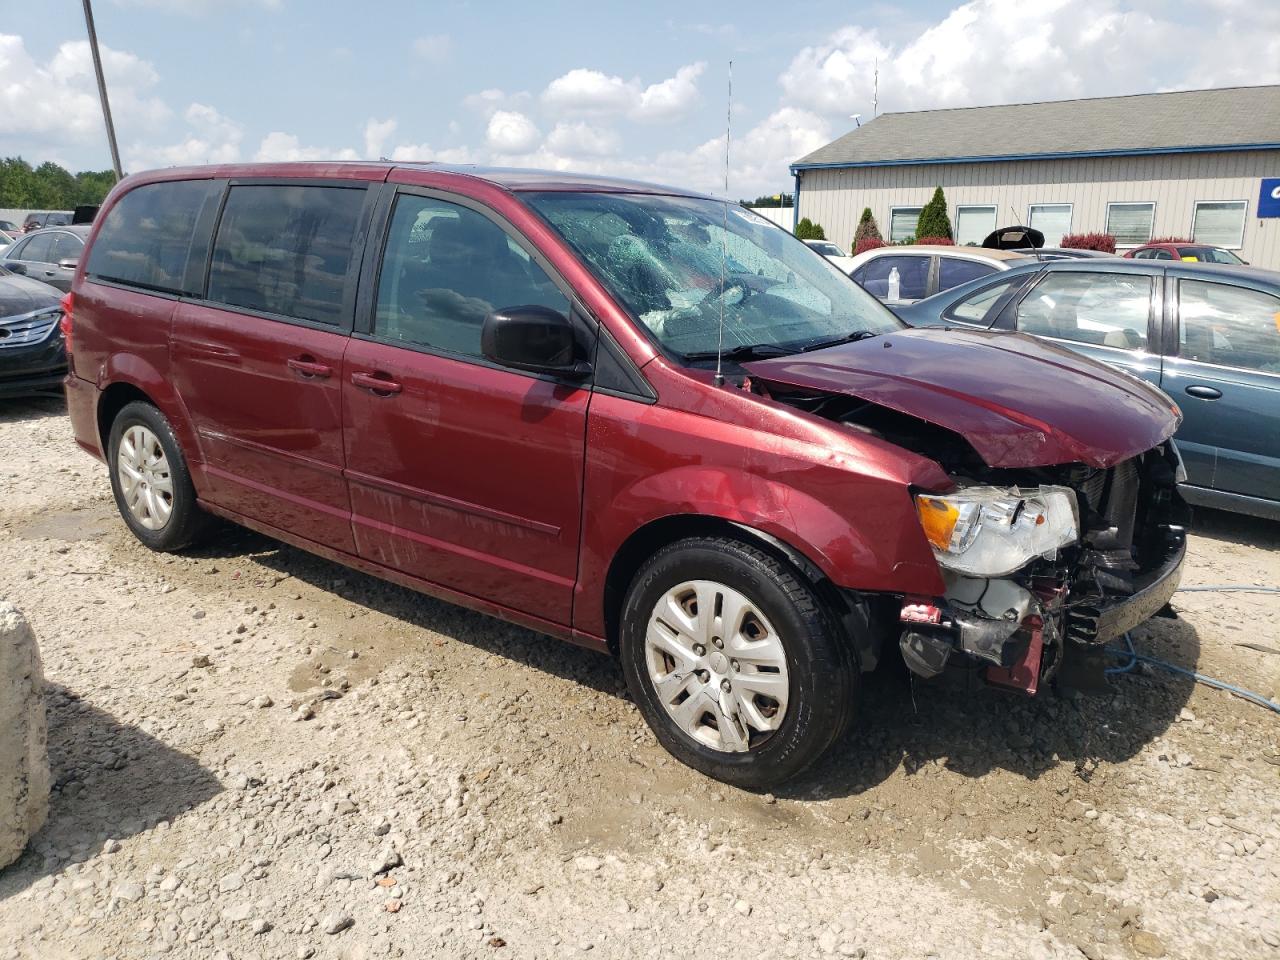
(1130, 518)
(28, 328)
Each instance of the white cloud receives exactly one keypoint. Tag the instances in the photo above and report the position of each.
(511, 132)
(586, 92)
(583, 139)
(376, 133)
(590, 91)
(672, 96)
(51, 104)
(425, 153)
(433, 48)
(488, 102)
(758, 159)
(212, 138)
(1001, 51)
(277, 146)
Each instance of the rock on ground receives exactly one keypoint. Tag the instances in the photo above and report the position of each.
(24, 760)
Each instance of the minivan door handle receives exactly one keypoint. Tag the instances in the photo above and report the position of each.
(379, 383)
(308, 367)
(1203, 392)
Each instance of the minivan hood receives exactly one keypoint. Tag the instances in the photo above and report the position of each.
(1018, 401)
(19, 295)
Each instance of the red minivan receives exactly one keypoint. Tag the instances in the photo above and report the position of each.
(633, 417)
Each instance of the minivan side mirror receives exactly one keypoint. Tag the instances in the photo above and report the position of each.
(533, 338)
(68, 263)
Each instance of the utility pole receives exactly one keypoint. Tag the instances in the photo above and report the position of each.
(102, 89)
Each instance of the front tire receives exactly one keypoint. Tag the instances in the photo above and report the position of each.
(150, 480)
(736, 664)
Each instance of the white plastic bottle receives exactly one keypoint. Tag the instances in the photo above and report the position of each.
(895, 284)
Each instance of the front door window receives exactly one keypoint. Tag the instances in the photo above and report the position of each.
(446, 268)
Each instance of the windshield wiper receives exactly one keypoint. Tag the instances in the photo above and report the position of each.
(835, 341)
(748, 351)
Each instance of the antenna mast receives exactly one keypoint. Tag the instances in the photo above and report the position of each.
(875, 94)
(724, 239)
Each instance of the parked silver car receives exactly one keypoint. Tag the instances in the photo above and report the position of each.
(49, 255)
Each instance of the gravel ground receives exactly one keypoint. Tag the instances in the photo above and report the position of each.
(258, 753)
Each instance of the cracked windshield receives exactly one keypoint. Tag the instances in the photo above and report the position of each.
(679, 263)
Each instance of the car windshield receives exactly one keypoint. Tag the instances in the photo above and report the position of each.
(680, 264)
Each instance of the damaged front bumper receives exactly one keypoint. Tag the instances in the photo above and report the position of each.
(1054, 617)
(1119, 616)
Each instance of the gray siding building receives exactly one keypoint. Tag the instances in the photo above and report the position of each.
(1202, 164)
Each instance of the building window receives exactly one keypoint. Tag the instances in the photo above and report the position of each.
(1130, 223)
(974, 223)
(1051, 219)
(902, 223)
(1219, 223)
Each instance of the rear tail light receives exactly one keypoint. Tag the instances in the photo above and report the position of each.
(65, 323)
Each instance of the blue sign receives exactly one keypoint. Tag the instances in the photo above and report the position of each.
(1269, 199)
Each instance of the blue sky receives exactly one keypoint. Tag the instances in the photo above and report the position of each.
(630, 88)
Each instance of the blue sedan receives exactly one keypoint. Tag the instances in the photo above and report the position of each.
(1208, 335)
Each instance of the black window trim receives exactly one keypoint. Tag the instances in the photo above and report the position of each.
(371, 275)
(359, 243)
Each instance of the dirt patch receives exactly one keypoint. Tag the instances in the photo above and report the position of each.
(465, 788)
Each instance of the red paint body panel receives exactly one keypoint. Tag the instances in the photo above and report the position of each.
(513, 494)
(1019, 401)
(479, 604)
(649, 462)
(470, 477)
(1023, 676)
(270, 433)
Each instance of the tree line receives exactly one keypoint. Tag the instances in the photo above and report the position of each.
(50, 186)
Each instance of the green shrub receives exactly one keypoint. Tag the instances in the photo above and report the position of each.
(934, 221)
(806, 229)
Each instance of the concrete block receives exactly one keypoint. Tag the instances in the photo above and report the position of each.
(24, 753)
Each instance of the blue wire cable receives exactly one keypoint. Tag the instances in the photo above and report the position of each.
(1134, 657)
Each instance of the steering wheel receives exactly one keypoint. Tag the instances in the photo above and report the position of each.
(727, 284)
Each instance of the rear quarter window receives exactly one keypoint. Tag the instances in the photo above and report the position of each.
(147, 238)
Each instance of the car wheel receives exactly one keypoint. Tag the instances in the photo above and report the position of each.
(736, 664)
(150, 480)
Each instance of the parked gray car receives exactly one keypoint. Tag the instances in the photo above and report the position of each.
(1208, 335)
(49, 255)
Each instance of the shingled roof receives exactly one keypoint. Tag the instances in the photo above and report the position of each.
(1232, 118)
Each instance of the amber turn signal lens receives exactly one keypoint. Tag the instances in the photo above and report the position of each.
(938, 518)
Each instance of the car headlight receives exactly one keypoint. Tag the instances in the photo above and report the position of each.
(993, 531)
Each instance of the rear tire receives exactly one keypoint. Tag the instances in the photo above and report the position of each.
(150, 480)
(770, 654)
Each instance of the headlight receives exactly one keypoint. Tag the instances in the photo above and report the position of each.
(993, 531)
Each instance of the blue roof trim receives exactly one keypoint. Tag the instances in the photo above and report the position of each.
(1065, 155)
